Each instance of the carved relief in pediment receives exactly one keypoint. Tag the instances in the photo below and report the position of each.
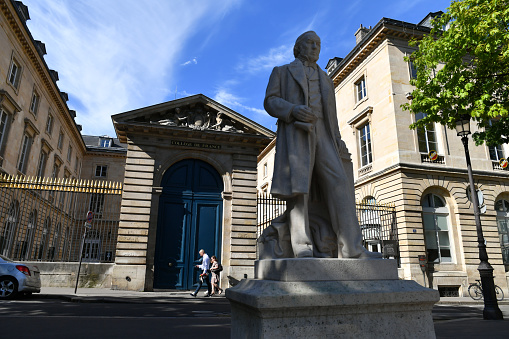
(198, 117)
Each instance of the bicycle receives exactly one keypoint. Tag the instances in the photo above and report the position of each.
(475, 291)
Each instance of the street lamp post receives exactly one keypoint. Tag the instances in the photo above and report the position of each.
(491, 310)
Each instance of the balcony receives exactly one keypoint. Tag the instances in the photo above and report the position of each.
(496, 166)
(439, 160)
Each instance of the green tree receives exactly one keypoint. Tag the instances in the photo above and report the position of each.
(463, 69)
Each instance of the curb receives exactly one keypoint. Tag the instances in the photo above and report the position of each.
(126, 299)
(468, 303)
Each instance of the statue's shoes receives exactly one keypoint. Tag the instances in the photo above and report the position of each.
(303, 251)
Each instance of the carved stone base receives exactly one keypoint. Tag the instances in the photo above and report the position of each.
(369, 307)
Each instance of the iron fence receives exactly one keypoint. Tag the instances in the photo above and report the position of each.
(43, 219)
(377, 222)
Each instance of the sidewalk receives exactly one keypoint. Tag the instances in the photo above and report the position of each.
(116, 296)
(105, 295)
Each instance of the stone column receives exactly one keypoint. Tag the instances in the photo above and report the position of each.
(131, 255)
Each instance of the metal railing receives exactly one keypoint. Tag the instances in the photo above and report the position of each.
(268, 208)
(496, 166)
(43, 218)
(439, 160)
(377, 222)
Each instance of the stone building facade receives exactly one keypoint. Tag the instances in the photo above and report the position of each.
(38, 133)
(104, 159)
(190, 183)
(423, 172)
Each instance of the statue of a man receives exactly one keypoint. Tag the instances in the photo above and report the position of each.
(309, 153)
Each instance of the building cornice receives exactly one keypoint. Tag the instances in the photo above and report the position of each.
(267, 149)
(442, 170)
(109, 154)
(27, 42)
(383, 29)
(125, 128)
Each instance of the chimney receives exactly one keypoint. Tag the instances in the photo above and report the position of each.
(361, 33)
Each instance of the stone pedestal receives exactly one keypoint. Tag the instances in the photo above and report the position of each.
(330, 298)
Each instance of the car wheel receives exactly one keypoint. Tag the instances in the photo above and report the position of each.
(8, 288)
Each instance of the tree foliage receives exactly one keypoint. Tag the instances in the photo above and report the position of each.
(463, 69)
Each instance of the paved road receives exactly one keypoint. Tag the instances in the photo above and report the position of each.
(46, 318)
(183, 317)
(453, 321)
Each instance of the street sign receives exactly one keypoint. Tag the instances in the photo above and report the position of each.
(422, 263)
(390, 248)
(88, 225)
(90, 216)
(433, 155)
(504, 163)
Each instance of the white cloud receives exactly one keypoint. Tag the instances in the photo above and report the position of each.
(230, 100)
(117, 55)
(188, 62)
(274, 57)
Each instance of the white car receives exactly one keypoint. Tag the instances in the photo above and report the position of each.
(18, 278)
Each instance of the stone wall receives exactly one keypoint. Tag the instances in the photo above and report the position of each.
(63, 274)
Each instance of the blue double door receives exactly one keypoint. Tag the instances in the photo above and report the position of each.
(190, 219)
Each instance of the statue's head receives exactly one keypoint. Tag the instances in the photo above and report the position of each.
(307, 46)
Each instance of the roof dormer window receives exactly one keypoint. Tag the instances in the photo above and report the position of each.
(105, 142)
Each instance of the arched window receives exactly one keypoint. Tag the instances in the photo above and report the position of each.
(502, 208)
(7, 235)
(65, 245)
(371, 225)
(29, 235)
(55, 245)
(435, 219)
(43, 245)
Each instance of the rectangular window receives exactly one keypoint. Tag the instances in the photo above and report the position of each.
(23, 154)
(34, 104)
(3, 125)
(69, 153)
(105, 142)
(41, 167)
(426, 136)
(365, 145)
(97, 203)
(265, 170)
(49, 124)
(360, 89)
(60, 140)
(56, 169)
(76, 164)
(101, 171)
(496, 152)
(14, 73)
(413, 70)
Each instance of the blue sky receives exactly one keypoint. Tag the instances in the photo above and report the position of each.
(117, 55)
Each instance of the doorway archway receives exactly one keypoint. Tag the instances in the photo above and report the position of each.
(190, 219)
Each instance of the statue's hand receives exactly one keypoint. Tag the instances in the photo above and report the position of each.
(303, 113)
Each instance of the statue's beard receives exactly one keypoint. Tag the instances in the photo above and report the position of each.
(308, 58)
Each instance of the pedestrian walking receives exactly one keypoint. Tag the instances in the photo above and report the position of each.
(215, 270)
(204, 276)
